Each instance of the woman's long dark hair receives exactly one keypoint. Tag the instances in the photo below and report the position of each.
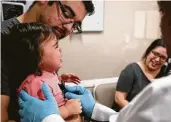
(154, 44)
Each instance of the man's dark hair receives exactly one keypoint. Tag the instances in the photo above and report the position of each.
(154, 44)
(89, 6)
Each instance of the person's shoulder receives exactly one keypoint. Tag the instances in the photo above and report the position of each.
(31, 79)
(131, 66)
(9, 21)
(161, 83)
(8, 24)
(31, 82)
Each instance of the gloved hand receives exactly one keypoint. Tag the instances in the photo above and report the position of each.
(85, 96)
(35, 110)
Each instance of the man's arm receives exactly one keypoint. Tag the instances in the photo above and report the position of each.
(5, 93)
(5, 99)
(4, 108)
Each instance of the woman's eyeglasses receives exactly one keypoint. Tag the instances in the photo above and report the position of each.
(157, 55)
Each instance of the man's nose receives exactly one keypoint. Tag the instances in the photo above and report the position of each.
(68, 27)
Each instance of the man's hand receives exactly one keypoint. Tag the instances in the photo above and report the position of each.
(35, 110)
(69, 78)
(85, 96)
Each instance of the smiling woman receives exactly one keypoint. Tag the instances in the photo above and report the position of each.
(136, 76)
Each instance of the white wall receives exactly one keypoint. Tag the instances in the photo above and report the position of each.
(101, 55)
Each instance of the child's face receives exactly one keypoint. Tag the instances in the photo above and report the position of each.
(52, 57)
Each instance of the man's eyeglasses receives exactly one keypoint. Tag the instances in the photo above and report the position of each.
(157, 55)
(67, 12)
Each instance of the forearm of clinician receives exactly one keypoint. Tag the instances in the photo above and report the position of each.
(53, 118)
(102, 113)
(120, 98)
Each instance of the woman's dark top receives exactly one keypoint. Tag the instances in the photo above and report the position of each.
(132, 80)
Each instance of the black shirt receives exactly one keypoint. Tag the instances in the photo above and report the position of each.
(132, 80)
(8, 84)
(6, 27)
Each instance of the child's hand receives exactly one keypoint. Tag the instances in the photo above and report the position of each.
(69, 78)
(73, 106)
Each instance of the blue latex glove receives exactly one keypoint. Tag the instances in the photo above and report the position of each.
(85, 96)
(35, 110)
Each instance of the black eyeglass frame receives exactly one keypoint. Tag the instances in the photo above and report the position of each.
(157, 55)
(76, 25)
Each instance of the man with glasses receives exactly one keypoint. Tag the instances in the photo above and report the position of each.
(64, 16)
